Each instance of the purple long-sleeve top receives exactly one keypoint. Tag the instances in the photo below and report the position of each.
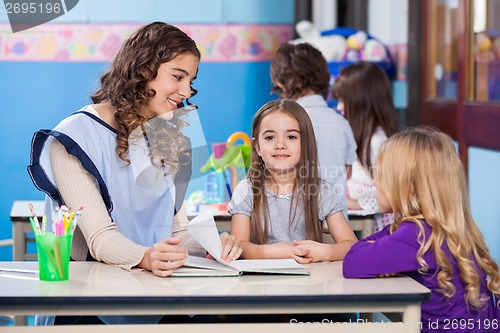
(397, 253)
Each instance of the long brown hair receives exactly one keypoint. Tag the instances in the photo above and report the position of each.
(125, 86)
(299, 68)
(419, 188)
(307, 176)
(366, 92)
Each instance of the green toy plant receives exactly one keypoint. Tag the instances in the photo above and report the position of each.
(236, 155)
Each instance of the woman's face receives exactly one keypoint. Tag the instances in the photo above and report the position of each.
(172, 84)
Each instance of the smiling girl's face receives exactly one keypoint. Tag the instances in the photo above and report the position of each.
(278, 142)
(172, 84)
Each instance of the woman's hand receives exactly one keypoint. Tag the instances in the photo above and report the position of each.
(164, 257)
(231, 248)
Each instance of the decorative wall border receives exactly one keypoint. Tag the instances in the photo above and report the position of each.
(99, 42)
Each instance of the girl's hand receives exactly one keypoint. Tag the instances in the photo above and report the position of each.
(164, 257)
(387, 275)
(231, 248)
(316, 251)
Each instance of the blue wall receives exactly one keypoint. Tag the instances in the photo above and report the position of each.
(38, 95)
(34, 95)
(178, 11)
(484, 185)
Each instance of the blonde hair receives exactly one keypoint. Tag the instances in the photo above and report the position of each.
(421, 175)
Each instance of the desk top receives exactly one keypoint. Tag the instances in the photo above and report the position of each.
(20, 209)
(360, 213)
(100, 285)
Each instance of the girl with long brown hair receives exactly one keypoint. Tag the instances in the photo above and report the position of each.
(279, 210)
(364, 95)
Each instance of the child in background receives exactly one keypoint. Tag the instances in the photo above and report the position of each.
(434, 238)
(279, 210)
(300, 72)
(365, 98)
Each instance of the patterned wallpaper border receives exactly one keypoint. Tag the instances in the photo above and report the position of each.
(99, 42)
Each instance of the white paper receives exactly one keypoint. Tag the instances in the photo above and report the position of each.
(193, 261)
(204, 231)
(19, 273)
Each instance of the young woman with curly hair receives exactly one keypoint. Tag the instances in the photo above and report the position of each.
(119, 156)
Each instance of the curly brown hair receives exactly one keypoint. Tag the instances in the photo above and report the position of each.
(299, 68)
(125, 86)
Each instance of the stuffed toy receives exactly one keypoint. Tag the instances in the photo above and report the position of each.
(374, 51)
(332, 47)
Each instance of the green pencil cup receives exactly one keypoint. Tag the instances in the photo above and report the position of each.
(53, 256)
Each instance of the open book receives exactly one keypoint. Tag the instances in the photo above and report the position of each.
(204, 231)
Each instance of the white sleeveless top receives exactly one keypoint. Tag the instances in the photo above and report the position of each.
(142, 209)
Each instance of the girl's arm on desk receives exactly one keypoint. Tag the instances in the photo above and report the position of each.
(384, 253)
(342, 234)
(240, 228)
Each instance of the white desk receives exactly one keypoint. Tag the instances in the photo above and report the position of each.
(362, 221)
(96, 288)
(21, 228)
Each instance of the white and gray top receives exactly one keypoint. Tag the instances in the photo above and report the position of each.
(282, 229)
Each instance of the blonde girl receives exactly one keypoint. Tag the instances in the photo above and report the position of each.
(279, 210)
(434, 239)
